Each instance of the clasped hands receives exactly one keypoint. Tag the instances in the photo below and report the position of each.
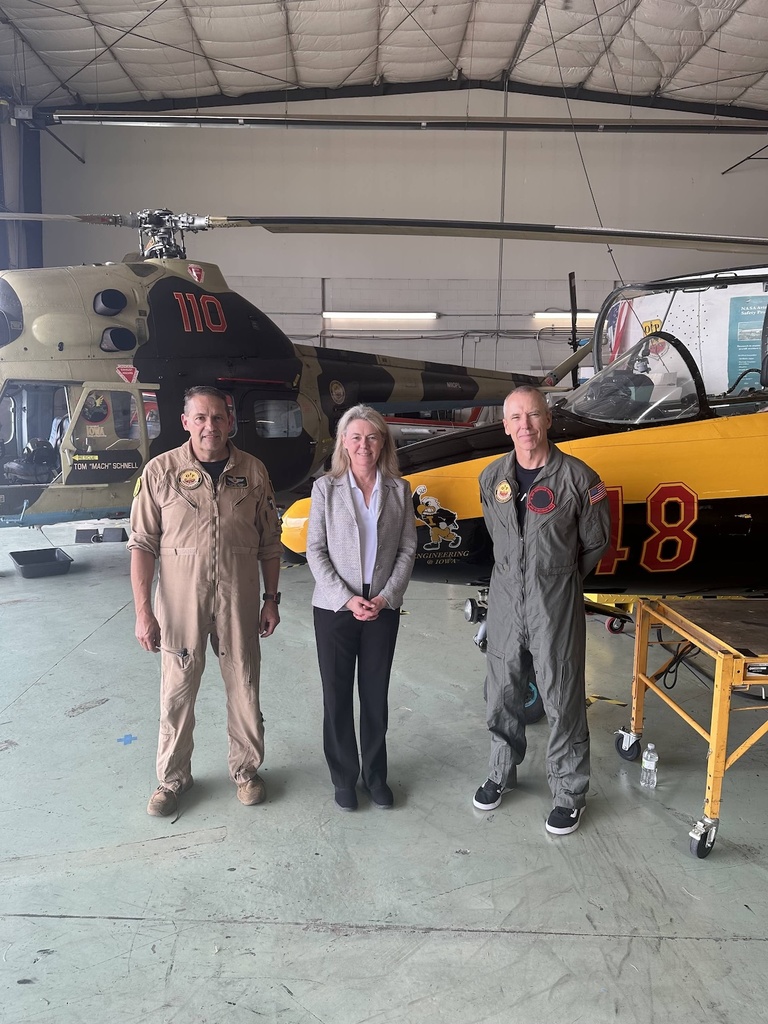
(364, 609)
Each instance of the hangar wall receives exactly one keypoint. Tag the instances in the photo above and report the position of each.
(637, 181)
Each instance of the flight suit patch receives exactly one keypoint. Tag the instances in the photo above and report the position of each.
(190, 478)
(236, 481)
(137, 488)
(503, 492)
(541, 500)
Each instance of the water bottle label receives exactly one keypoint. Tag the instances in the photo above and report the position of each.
(649, 764)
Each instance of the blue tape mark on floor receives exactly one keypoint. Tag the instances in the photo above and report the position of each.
(127, 739)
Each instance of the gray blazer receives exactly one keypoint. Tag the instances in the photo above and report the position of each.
(333, 543)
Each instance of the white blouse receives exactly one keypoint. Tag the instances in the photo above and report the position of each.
(367, 518)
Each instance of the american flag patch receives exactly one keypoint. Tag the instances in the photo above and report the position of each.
(597, 493)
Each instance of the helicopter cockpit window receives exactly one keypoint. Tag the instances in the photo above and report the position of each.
(650, 383)
(107, 420)
(277, 417)
(33, 417)
(150, 413)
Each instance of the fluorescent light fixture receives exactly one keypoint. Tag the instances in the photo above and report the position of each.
(564, 314)
(346, 315)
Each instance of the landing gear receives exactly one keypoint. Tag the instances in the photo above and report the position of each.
(534, 705)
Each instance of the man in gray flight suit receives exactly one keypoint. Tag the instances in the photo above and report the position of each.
(207, 512)
(549, 520)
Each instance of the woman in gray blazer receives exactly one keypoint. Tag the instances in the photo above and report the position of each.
(361, 547)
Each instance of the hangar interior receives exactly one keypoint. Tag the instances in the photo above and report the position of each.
(432, 912)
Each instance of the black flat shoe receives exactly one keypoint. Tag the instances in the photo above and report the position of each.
(381, 797)
(346, 799)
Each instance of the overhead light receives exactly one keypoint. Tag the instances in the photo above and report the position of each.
(347, 315)
(565, 314)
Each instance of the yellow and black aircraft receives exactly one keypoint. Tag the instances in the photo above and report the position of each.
(686, 476)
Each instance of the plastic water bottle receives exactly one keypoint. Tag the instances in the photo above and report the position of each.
(649, 771)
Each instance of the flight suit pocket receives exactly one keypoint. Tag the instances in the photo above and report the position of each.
(557, 542)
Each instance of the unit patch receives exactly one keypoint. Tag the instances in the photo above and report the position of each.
(337, 392)
(541, 500)
(503, 491)
(236, 481)
(137, 488)
(190, 478)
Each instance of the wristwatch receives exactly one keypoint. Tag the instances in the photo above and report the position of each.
(271, 597)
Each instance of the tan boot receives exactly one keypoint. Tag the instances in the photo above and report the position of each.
(165, 800)
(252, 791)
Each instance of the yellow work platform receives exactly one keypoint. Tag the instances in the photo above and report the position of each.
(735, 635)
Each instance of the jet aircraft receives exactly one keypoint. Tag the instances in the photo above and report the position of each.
(685, 470)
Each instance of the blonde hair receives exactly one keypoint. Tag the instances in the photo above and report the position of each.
(387, 462)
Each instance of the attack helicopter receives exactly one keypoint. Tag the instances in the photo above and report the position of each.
(94, 361)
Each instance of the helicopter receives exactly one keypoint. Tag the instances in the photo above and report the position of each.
(94, 362)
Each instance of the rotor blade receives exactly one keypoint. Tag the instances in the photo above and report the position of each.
(492, 229)
(446, 228)
(113, 219)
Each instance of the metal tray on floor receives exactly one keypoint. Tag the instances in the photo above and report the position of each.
(41, 562)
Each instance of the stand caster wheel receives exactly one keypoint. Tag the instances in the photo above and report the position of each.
(631, 753)
(702, 846)
(615, 625)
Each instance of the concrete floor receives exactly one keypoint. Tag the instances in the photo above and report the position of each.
(294, 912)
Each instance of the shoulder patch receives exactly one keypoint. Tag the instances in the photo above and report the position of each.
(137, 488)
(597, 493)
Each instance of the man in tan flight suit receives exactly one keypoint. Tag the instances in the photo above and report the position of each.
(207, 512)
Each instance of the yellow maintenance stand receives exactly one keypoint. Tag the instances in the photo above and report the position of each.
(735, 635)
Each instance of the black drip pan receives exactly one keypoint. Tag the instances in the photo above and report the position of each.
(41, 562)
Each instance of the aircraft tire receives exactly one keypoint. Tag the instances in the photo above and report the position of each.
(534, 705)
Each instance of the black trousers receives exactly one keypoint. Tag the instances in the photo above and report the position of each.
(343, 642)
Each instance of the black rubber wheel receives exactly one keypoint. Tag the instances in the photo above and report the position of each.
(702, 847)
(614, 625)
(631, 753)
(534, 705)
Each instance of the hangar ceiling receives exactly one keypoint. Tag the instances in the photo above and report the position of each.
(704, 56)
